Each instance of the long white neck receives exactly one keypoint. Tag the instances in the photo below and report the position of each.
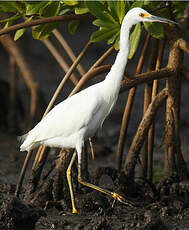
(114, 77)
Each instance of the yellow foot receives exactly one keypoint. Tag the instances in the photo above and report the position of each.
(121, 199)
(75, 211)
(116, 196)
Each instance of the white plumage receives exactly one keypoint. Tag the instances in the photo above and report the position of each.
(73, 121)
(68, 123)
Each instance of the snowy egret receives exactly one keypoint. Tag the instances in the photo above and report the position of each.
(70, 123)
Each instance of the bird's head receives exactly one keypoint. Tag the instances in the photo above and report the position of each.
(140, 15)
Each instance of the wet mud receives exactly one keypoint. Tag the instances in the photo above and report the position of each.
(148, 206)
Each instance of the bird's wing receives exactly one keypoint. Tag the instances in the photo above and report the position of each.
(70, 115)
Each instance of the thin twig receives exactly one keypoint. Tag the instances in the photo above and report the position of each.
(86, 77)
(41, 21)
(22, 174)
(68, 74)
(68, 50)
(59, 59)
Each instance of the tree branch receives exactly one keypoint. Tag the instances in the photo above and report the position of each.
(183, 45)
(40, 21)
(94, 72)
(147, 120)
(59, 58)
(128, 83)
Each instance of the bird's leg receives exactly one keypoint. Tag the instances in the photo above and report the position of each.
(68, 173)
(114, 195)
(91, 146)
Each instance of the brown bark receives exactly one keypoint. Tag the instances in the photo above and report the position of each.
(41, 21)
(174, 162)
(128, 83)
(138, 140)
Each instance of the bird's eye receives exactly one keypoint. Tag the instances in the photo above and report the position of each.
(141, 15)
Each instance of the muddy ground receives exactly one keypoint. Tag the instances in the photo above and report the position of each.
(162, 205)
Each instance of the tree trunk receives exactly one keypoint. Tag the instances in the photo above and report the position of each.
(174, 162)
(142, 130)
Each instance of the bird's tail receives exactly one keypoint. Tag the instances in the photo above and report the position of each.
(22, 138)
(25, 146)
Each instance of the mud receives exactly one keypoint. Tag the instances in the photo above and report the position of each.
(148, 206)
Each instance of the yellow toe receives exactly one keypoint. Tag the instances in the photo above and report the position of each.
(75, 211)
(116, 196)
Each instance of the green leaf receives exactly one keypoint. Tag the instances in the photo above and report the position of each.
(52, 9)
(112, 39)
(10, 6)
(9, 23)
(11, 19)
(104, 34)
(135, 39)
(81, 8)
(101, 23)
(70, 3)
(127, 5)
(42, 32)
(121, 10)
(116, 45)
(96, 8)
(178, 8)
(112, 6)
(65, 11)
(35, 7)
(117, 9)
(154, 29)
(72, 26)
(137, 4)
(100, 11)
(110, 18)
(20, 32)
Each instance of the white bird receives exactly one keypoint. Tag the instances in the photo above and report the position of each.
(76, 119)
